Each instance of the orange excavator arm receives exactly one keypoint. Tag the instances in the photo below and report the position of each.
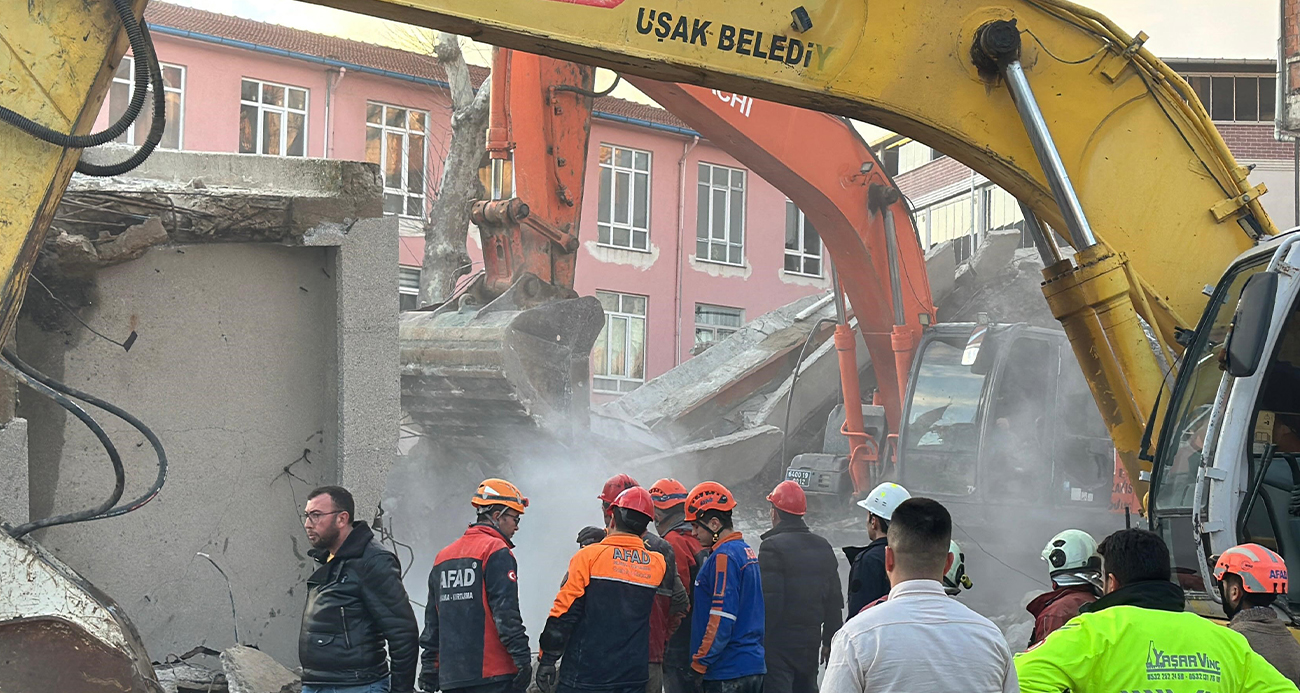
(830, 173)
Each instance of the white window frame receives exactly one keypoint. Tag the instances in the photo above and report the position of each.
(284, 112)
(403, 190)
(608, 228)
(408, 281)
(1209, 107)
(718, 331)
(707, 240)
(145, 116)
(802, 221)
(608, 382)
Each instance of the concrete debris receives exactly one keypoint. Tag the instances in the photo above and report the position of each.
(133, 242)
(249, 670)
(187, 677)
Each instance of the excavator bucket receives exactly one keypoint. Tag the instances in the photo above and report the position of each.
(59, 633)
(476, 379)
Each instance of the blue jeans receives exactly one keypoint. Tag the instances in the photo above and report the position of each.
(380, 686)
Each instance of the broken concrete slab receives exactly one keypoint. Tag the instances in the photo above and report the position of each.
(14, 488)
(996, 252)
(249, 670)
(941, 270)
(187, 677)
(736, 457)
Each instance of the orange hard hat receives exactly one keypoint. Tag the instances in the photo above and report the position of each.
(616, 485)
(1261, 571)
(667, 492)
(499, 492)
(788, 497)
(709, 495)
(635, 498)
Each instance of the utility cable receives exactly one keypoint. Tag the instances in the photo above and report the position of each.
(229, 590)
(1006, 565)
(589, 93)
(789, 395)
(119, 474)
(126, 345)
(115, 410)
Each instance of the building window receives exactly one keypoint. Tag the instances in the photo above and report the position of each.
(720, 215)
(618, 359)
(714, 323)
(395, 139)
(408, 288)
(1002, 213)
(803, 247)
(1236, 98)
(623, 219)
(272, 119)
(119, 96)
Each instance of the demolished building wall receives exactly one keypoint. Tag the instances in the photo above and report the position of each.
(265, 361)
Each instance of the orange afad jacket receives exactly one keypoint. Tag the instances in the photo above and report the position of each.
(599, 627)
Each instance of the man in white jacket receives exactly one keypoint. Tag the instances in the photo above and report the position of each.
(920, 639)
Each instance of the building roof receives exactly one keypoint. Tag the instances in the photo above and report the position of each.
(202, 24)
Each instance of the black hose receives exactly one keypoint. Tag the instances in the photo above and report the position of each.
(115, 411)
(119, 473)
(588, 92)
(789, 396)
(140, 46)
(156, 127)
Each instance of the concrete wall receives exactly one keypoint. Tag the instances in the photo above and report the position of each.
(267, 370)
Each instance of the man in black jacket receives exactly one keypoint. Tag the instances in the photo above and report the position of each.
(355, 603)
(867, 579)
(801, 594)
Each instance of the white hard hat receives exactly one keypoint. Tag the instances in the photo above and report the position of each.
(883, 499)
(1073, 549)
(955, 579)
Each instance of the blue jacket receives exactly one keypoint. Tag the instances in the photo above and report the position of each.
(727, 637)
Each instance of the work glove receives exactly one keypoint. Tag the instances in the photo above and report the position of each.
(697, 681)
(523, 678)
(429, 681)
(547, 676)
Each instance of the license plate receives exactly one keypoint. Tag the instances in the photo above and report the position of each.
(803, 477)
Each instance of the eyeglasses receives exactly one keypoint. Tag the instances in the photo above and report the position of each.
(508, 516)
(313, 517)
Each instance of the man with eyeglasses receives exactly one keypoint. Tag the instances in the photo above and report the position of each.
(474, 639)
(355, 605)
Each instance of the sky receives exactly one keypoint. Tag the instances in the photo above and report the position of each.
(1178, 29)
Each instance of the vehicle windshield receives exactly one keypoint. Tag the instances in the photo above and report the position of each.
(1179, 455)
(941, 438)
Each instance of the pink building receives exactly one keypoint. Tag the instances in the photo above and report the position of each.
(680, 242)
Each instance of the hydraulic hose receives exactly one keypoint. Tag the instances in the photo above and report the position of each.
(119, 474)
(115, 410)
(789, 395)
(156, 126)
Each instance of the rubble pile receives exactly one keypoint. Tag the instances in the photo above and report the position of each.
(241, 669)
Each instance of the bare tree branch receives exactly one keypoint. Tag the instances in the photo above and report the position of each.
(449, 55)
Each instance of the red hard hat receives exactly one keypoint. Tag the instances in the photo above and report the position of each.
(667, 493)
(635, 498)
(1261, 571)
(616, 485)
(788, 497)
(709, 495)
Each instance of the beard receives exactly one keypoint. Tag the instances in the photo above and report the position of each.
(1229, 610)
(324, 539)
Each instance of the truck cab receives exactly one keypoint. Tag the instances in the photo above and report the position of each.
(1226, 468)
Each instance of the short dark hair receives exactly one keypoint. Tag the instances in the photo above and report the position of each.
(1248, 599)
(626, 520)
(1135, 555)
(723, 516)
(919, 534)
(785, 516)
(342, 499)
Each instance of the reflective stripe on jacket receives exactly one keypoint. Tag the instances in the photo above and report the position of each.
(600, 622)
(1130, 648)
(727, 624)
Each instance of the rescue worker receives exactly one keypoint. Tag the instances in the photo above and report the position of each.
(671, 601)
(867, 579)
(599, 626)
(474, 635)
(669, 497)
(727, 626)
(921, 639)
(801, 595)
(1075, 569)
(1138, 637)
(1250, 577)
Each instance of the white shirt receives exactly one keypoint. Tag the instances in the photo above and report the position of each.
(919, 640)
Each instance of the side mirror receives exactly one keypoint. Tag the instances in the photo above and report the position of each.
(1250, 325)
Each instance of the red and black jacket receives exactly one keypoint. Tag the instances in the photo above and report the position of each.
(473, 632)
(686, 551)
